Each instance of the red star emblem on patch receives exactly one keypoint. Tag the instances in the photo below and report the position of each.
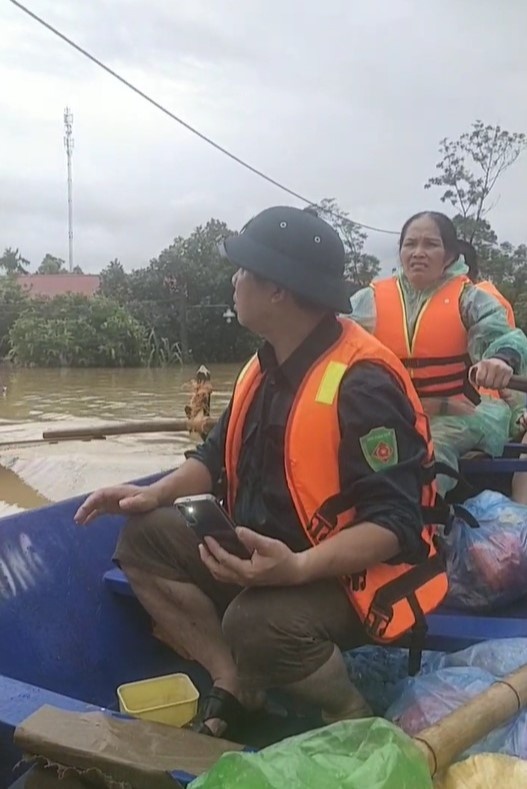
(383, 452)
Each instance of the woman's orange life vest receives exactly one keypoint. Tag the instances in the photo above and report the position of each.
(490, 288)
(389, 599)
(436, 356)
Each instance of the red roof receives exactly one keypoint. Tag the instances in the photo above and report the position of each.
(57, 284)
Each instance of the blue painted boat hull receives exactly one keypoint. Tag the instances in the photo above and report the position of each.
(63, 631)
(67, 638)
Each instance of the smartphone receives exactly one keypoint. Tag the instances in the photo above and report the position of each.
(205, 515)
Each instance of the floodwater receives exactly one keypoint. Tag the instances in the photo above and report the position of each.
(34, 474)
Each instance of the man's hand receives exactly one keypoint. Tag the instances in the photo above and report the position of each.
(491, 374)
(118, 500)
(272, 563)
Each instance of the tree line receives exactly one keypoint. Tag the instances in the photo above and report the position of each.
(177, 308)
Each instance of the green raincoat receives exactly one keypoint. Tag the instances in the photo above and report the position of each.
(488, 427)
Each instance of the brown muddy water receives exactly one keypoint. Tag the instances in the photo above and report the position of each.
(32, 475)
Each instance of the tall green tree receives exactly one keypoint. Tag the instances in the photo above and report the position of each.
(12, 262)
(52, 265)
(361, 268)
(184, 293)
(469, 170)
(13, 302)
(115, 282)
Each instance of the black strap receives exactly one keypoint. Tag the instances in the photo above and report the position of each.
(402, 588)
(452, 391)
(424, 385)
(470, 392)
(429, 471)
(444, 515)
(417, 636)
(440, 513)
(437, 361)
(463, 514)
(406, 584)
(324, 521)
(439, 379)
(463, 388)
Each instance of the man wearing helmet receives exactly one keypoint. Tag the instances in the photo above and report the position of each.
(327, 462)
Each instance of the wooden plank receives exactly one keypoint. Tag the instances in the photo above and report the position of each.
(90, 432)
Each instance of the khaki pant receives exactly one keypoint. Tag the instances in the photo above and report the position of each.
(278, 635)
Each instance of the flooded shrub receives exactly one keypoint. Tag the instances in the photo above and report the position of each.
(75, 331)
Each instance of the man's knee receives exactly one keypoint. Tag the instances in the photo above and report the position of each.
(272, 642)
(246, 628)
(147, 526)
(156, 540)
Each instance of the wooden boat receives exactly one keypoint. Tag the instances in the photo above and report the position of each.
(72, 630)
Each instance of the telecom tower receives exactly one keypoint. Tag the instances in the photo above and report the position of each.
(68, 144)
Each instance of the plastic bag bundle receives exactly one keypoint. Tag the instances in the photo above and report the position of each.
(487, 567)
(350, 755)
(425, 699)
(499, 657)
(486, 771)
(428, 698)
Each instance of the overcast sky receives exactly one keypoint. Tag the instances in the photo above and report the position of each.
(341, 98)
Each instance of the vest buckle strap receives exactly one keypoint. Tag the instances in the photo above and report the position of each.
(325, 520)
(319, 527)
(357, 581)
(406, 585)
(377, 621)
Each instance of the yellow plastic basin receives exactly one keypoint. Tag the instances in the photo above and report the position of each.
(172, 699)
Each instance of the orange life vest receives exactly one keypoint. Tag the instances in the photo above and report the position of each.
(436, 356)
(389, 599)
(490, 288)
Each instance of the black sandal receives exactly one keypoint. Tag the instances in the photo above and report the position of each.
(218, 703)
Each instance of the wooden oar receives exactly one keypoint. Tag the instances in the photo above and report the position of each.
(122, 428)
(447, 739)
(518, 383)
(28, 442)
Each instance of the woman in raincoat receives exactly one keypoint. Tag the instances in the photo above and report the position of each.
(448, 332)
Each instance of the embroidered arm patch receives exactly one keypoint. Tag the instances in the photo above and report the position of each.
(379, 448)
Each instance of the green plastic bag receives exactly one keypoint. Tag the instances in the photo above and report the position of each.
(368, 753)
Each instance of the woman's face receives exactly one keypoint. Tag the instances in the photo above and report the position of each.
(423, 256)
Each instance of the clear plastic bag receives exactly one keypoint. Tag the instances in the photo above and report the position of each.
(499, 657)
(427, 698)
(487, 567)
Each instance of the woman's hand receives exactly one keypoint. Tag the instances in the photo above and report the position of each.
(522, 422)
(491, 374)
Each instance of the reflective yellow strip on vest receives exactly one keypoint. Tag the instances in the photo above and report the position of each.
(330, 382)
(410, 340)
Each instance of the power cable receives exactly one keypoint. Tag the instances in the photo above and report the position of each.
(191, 128)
